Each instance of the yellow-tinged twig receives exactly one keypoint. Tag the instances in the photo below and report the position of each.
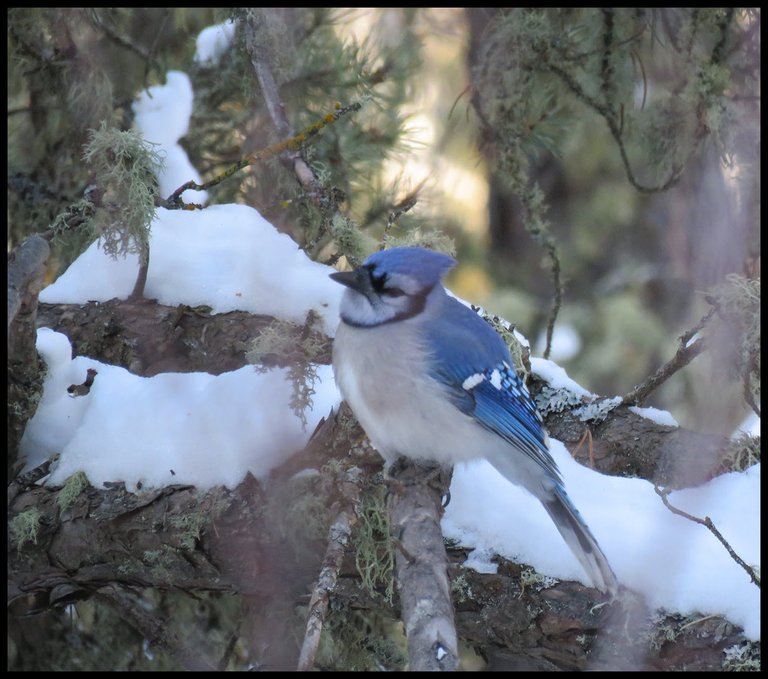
(294, 143)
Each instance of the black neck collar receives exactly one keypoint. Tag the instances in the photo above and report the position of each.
(416, 306)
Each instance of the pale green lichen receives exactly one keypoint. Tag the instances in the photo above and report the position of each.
(664, 629)
(25, 527)
(531, 578)
(296, 347)
(351, 241)
(461, 589)
(127, 166)
(744, 657)
(519, 352)
(374, 552)
(550, 400)
(71, 490)
(161, 562)
(598, 410)
(360, 641)
(742, 453)
(190, 526)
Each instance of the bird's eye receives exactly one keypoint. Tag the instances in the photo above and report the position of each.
(379, 284)
(377, 281)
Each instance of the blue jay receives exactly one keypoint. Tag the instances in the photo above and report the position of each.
(429, 379)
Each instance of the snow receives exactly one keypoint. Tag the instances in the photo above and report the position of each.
(674, 563)
(214, 429)
(556, 376)
(226, 256)
(663, 417)
(162, 114)
(213, 41)
(188, 428)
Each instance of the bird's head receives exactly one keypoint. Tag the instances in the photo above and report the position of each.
(391, 285)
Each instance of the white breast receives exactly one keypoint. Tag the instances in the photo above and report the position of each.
(380, 372)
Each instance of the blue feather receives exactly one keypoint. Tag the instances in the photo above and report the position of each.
(475, 364)
(425, 266)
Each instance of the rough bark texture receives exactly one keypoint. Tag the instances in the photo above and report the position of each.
(415, 511)
(224, 541)
(626, 444)
(570, 627)
(268, 545)
(147, 338)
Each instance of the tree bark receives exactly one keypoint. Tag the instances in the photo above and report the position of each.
(147, 338)
(105, 540)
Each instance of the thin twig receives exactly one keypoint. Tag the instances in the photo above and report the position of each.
(141, 278)
(684, 355)
(706, 521)
(227, 652)
(557, 298)
(326, 199)
(153, 47)
(686, 352)
(338, 538)
(120, 40)
(615, 130)
(291, 144)
(153, 629)
(587, 436)
(272, 98)
(698, 620)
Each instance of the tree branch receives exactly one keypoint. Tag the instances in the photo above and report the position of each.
(344, 511)
(686, 352)
(415, 510)
(304, 173)
(153, 629)
(149, 338)
(26, 271)
(26, 268)
(338, 540)
(663, 493)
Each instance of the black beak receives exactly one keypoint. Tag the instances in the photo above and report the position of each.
(352, 279)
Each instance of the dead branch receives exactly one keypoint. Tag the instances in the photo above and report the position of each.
(663, 493)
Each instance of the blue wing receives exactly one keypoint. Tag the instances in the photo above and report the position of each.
(474, 363)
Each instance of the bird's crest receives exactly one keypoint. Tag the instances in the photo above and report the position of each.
(425, 266)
